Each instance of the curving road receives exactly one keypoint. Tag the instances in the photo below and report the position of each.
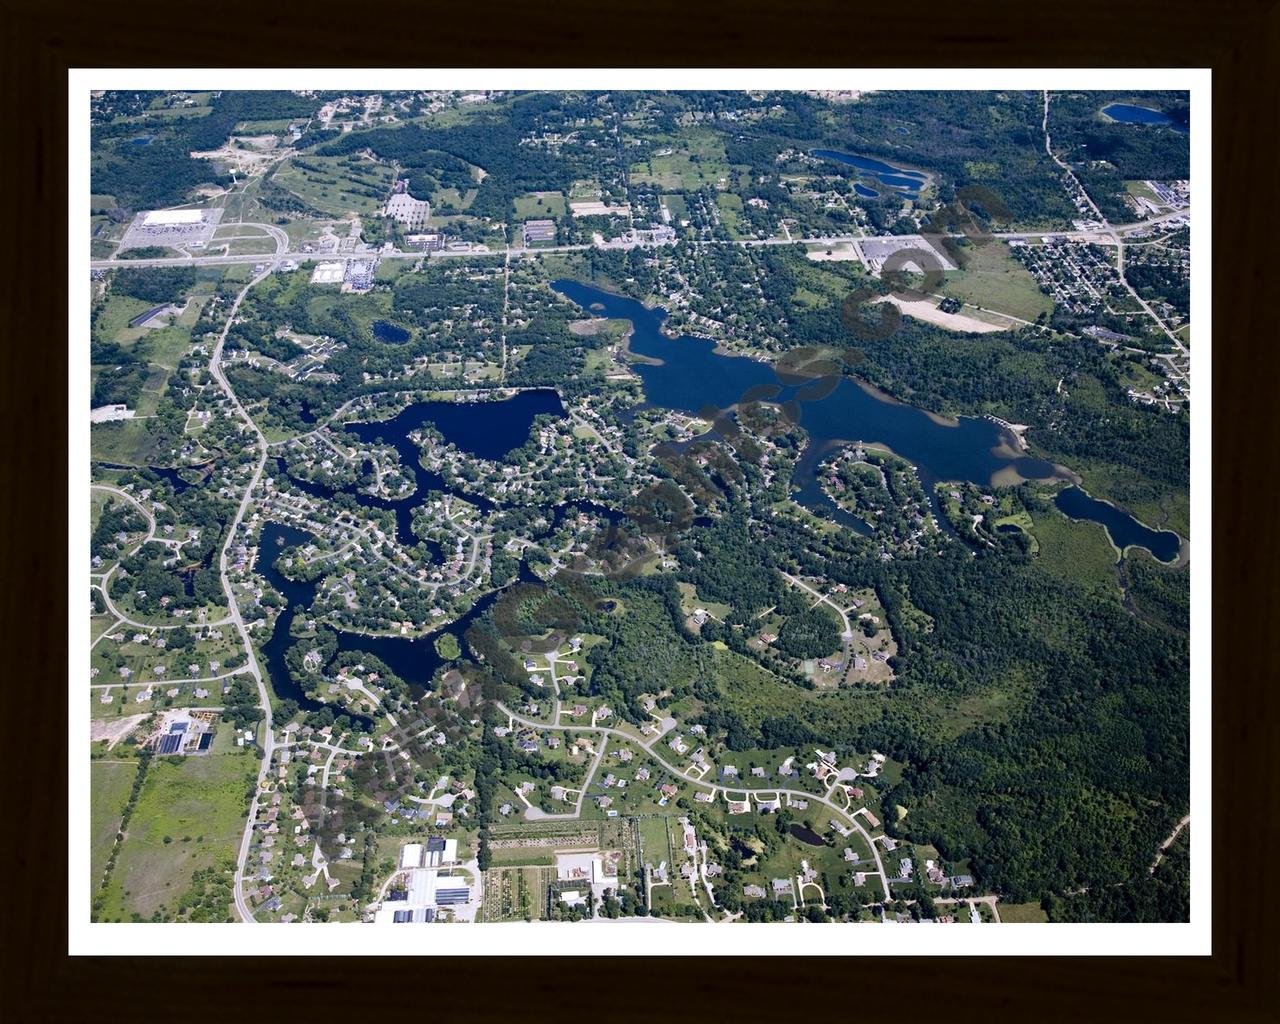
(103, 585)
(252, 667)
(713, 789)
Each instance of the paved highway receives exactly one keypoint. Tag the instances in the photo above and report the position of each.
(1103, 236)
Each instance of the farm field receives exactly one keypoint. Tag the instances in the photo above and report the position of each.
(696, 159)
(109, 786)
(189, 815)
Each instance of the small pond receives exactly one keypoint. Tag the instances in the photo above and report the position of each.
(1127, 113)
(392, 334)
(807, 835)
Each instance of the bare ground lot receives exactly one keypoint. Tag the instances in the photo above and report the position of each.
(113, 730)
(928, 311)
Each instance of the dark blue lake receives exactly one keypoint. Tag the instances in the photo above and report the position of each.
(275, 538)
(692, 375)
(142, 140)
(886, 174)
(413, 659)
(1122, 527)
(862, 190)
(392, 334)
(487, 430)
(1127, 113)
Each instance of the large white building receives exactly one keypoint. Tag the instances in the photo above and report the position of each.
(329, 273)
(164, 218)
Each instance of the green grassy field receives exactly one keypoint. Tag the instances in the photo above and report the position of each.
(994, 280)
(126, 441)
(451, 196)
(1142, 190)
(333, 186)
(538, 206)
(109, 785)
(198, 805)
(754, 694)
(655, 841)
(696, 159)
(689, 600)
(730, 213)
(256, 246)
(113, 322)
(129, 441)
(1022, 913)
(1078, 551)
(676, 204)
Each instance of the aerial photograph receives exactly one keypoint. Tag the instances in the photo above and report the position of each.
(693, 506)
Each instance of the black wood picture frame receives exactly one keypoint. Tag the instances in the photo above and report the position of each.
(1238, 39)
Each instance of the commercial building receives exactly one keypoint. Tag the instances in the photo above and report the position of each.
(539, 231)
(328, 273)
(359, 275)
(427, 242)
(426, 890)
(190, 228)
(167, 218)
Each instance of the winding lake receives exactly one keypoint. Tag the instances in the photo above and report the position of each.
(909, 182)
(413, 659)
(1123, 529)
(485, 429)
(690, 375)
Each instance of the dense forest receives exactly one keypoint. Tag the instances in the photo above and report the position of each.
(154, 284)
(1077, 789)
